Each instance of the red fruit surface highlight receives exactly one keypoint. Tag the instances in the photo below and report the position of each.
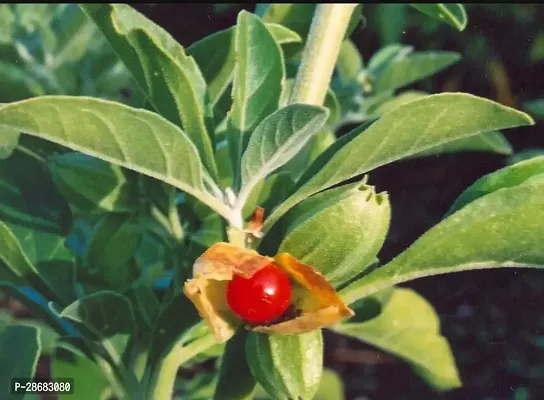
(261, 299)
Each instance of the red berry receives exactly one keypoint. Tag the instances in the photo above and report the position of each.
(262, 298)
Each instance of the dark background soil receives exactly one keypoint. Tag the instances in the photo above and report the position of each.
(493, 319)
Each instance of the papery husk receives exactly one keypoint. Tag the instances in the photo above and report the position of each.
(320, 305)
(315, 300)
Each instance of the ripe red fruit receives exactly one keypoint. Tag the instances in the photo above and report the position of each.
(262, 298)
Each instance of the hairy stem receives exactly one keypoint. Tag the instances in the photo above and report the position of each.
(162, 386)
(327, 32)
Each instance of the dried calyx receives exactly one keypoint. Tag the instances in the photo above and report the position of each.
(313, 301)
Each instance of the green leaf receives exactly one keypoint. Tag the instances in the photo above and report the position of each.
(276, 140)
(409, 328)
(173, 325)
(404, 70)
(234, 379)
(407, 130)
(20, 348)
(287, 366)
(492, 142)
(7, 19)
(18, 268)
(258, 80)
(350, 62)
(113, 243)
(525, 155)
(17, 84)
(215, 55)
(535, 107)
(92, 184)
(91, 383)
(74, 32)
(105, 316)
(383, 57)
(132, 138)
(453, 14)
(37, 305)
(171, 80)
(9, 139)
(500, 229)
(331, 386)
(339, 231)
(508, 177)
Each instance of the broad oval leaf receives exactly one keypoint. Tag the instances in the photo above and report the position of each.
(92, 184)
(507, 177)
(104, 313)
(409, 328)
(287, 366)
(277, 139)
(171, 80)
(501, 229)
(339, 231)
(16, 268)
(136, 139)
(234, 381)
(405, 70)
(258, 79)
(113, 243)
(20, 348)
(453, 14)
(407, 130)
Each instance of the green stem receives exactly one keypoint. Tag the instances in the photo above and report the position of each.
(162, 385)
(327, 32)
(31, 153)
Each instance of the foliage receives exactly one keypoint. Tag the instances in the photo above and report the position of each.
(107, 201)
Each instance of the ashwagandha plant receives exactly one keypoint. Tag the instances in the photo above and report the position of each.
(225, 219)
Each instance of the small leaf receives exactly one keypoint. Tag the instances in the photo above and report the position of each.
(20, 348)
(405, 70)
(350, 62)
(453, 14)
(17, 267)
(109, 131)
(383, 57)
(17, 84)
(503, 178)
(91, 383)
(407, 130)
(234, 381)
(287, 366)
(9, 139)
(215, 55)
(500, 229)
(92, 184)
(339, 231)
(277, 139)
(113, 243)
(258, 79)
(408, 327)
(105, 313)
(171, 80)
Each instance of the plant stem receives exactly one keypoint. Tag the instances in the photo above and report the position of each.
(165, 377)
(327, 32)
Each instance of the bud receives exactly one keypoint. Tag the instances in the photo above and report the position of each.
(339, 231)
